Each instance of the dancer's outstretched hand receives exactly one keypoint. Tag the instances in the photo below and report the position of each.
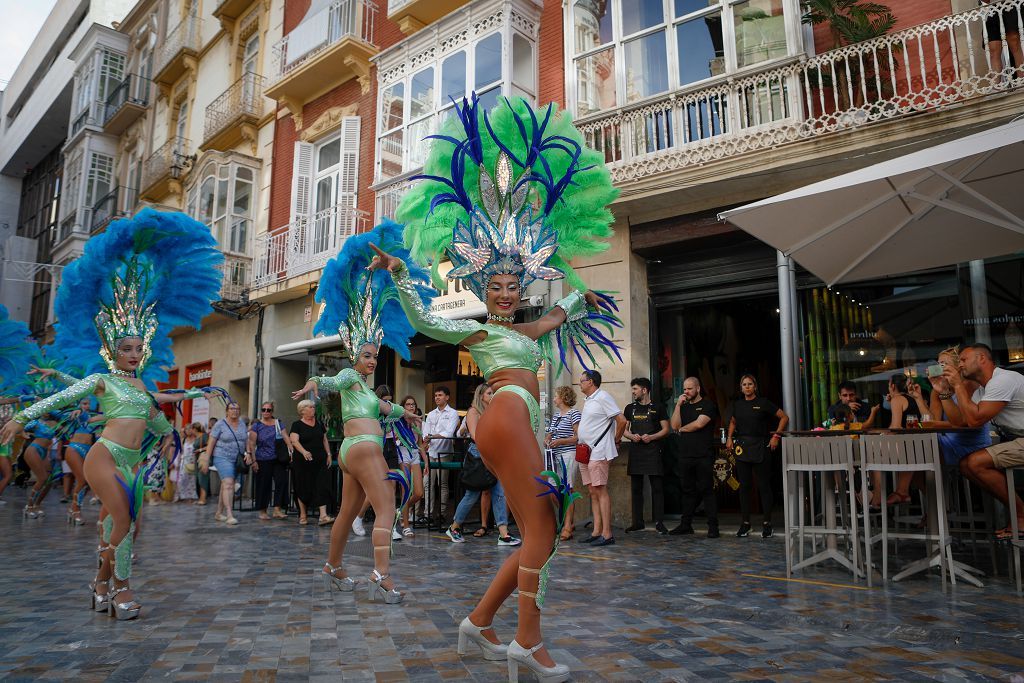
(42, 372)
(383, 260)
(308, 387)
(10, 430)
(590, 298)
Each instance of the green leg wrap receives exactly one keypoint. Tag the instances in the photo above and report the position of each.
(123, 555)
(108, 527)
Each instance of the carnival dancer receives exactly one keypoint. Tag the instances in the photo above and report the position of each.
(16, 352)
(510, 197)
(362, 307)
(134, 283)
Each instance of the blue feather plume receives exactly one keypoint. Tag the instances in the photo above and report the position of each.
(182, 258)
(344, 279)
(16, 351)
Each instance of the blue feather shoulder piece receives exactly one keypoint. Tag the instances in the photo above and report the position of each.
(344, 284)
(16, 350)
(176, 262)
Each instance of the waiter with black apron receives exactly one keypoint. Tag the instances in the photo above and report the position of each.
(648, 425)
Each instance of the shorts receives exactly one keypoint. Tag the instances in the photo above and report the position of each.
(1009, 23)
(1008, 453)
(595, 472)
(225, 467)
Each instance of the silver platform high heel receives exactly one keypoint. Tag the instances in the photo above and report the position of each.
(342, 584)
(123, 610)
(391, 597)
(468, 631)
(100, 601)
(517, 654)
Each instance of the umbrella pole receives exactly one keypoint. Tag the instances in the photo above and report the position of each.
(811, 367)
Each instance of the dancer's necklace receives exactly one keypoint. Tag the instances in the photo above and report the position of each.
(500, 318)
(122, 373)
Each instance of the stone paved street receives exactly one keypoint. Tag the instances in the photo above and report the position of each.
(242, 603)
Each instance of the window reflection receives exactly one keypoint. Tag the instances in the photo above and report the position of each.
(760, 31)
(641, 14)
(595, 82)
(701, 49)
(593, 24)
(646, 66)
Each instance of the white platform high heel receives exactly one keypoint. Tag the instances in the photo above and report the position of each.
(390, 597)
(468, 631)
(518, 655)
(123, 611)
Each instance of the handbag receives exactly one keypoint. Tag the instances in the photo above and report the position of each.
(240, 464)
(282, 450)
(475, 475)
(583, 450)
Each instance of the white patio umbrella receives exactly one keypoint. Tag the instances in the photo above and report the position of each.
(954, 202)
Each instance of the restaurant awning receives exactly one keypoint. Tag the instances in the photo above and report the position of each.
(954, 202)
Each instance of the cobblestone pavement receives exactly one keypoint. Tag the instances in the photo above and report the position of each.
(243, 603)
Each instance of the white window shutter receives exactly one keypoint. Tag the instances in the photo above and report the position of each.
(302, 181)
(348, 183)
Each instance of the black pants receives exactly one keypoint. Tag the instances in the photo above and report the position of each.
(745, 473)
(271, 472)
(657, 498)
(696, 477)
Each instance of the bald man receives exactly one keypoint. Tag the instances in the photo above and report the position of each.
(695, 418)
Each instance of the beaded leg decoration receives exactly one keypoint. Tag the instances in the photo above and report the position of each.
(404, 480)
(559, 487)
(123, 555)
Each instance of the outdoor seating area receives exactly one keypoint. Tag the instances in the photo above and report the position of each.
(828, 516)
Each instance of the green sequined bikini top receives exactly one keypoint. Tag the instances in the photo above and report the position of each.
(355, 403)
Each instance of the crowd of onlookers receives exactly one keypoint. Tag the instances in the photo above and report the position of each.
(292, 463)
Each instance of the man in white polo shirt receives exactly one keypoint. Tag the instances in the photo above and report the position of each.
(999, 399)
(601, 427)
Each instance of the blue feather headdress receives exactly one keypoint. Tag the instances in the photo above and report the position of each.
(142, 277)
(16, 351)
(361, 305)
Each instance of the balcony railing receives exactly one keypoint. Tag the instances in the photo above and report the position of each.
(132, 90)
(919, 69)
(169, 160)
(243, 98)
(342, 19)
(236, 277)
(73, 225)
(110, 206)
(80, 121)
(306, 244)
(184, 36)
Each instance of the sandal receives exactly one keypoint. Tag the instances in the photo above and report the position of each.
(324, 521)
(303, 521)
(279, 515)
(264, 517)
(895, 498)
(1006, 534)
(480, 533)
(565, 536)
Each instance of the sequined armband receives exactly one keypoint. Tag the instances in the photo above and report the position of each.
(425, 322)
(194, 393)
(396, 414)
(62, 399)
(574, 305)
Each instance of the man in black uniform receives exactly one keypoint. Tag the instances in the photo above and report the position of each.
(647, 426)
(695, 418)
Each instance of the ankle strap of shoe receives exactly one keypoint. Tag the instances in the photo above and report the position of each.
(531, 650)
(378, 578)
(330, 569)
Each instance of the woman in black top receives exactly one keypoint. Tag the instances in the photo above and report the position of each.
(902, 406)
(310, 463)
(753, 434)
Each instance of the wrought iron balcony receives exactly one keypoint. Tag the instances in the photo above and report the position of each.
(71, 226)
(306, 244)
(126, 104)
(923, 68)
(236, 277)
(233, 116)
(181, 44)
(163, 169)
(333, 46)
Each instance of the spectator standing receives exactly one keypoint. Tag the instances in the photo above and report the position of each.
(999, 398)
(199, 440)
(413, 461)
(561, 437)
(438, 429)
(753, 436)
(601, 428)
(265, 434)
(311, 463)
(227, 443)
(648, 425)
(695, 418)
(481, 399)
(185, 486)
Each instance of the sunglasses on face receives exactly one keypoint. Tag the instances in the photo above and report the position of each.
(267, 410)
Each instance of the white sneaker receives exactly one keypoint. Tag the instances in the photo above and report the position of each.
(407, 531)
(395, 535)
(220, 518)
(357, 527)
